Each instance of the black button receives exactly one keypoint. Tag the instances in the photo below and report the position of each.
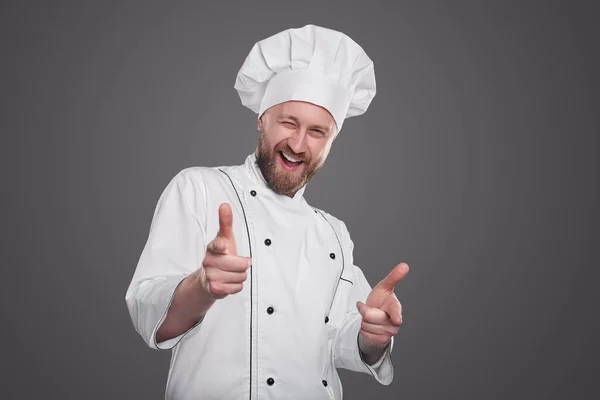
(326, 319)
(270, 310)
(332, 255)
(268, 242)
(253, 193)
(270, 381)
(325, 383)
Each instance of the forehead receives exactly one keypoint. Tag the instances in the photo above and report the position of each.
(304, 112)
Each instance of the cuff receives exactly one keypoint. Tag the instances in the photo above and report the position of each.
(382, 370)
(169, 289)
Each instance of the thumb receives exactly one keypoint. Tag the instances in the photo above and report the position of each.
(225, 221)
(362, 308)
(394, 277)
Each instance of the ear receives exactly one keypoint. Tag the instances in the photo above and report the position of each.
(335, 135)
(260, 123)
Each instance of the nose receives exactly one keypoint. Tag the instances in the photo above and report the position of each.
(297, 141)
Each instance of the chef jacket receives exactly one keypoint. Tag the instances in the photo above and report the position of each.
(294, 322)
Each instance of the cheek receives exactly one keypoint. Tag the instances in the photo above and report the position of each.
(319, 150)
(277, 134)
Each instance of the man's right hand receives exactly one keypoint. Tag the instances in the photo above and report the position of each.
(223, 272)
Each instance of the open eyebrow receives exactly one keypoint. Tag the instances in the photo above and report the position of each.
(285, 116)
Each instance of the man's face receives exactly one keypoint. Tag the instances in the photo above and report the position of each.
(299, 130)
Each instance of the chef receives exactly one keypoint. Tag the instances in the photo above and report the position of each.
(254, 290)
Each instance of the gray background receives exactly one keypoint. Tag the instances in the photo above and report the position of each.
(475, 164)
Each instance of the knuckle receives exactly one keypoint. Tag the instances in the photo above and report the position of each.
(217, 245)
(211, 246)
(238, 264)
(232, 288)
(214, 287)
(208, 261)
(238, 288)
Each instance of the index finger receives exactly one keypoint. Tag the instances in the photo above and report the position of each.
(394, 276)
(225, 221)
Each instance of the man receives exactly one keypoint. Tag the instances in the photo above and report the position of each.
(254, 290)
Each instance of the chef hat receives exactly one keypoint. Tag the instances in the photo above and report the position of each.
(312, 64)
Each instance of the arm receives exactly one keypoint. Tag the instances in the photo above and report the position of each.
(350, 351)
(173, 251)
(349, 348)
(221, 273)
(190, 304)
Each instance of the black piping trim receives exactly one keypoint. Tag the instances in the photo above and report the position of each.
(342, 279)
(250, 248)
(162, 320)
(343, 262)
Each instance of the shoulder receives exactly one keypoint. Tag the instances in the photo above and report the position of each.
(196, 177)
(196, 173)
(191, 184)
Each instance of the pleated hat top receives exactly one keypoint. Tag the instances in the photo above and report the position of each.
(312, 64)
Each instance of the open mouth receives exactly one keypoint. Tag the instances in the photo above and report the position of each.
(289, 162)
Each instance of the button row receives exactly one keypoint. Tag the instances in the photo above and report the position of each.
(271, 310)
(268, 243)
(271, 381)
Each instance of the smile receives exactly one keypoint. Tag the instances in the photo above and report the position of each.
(289, 158)
(289, 163)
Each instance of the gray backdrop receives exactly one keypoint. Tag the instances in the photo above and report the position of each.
(475, 164)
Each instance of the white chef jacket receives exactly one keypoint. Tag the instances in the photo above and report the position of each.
(295, 321)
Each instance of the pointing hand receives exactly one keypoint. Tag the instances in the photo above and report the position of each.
(223, 272)
(382, 314)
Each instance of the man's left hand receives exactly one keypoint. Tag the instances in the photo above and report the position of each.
(382, 314)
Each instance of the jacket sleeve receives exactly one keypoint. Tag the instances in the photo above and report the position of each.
(346, 351)
(173, 250)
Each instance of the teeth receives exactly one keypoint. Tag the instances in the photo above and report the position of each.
(290, 158)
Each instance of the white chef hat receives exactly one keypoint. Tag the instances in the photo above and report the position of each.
(312, 64)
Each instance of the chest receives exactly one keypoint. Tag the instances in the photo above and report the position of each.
(298, 258)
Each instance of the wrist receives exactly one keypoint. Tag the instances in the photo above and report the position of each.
(197, 296)
(371, 352)
(367, 346)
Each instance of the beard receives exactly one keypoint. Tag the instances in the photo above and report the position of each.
(281, 181)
